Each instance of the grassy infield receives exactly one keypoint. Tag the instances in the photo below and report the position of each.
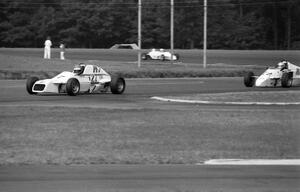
(19, 64)
(55, 135)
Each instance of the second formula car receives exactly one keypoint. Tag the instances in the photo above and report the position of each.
(285, 74)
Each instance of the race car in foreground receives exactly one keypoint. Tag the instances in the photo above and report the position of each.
(285, 74)
(85, 78)
(160, 54)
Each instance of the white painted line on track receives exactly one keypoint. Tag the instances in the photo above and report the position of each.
(224, 102)
(252, 162)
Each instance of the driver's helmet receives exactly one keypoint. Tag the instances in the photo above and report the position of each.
(153, 50)
(161, 50)
(78, 69)
(282, 65)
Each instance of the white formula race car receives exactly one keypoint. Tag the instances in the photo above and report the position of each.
(160, 54)
(284, 74)
(85, 78)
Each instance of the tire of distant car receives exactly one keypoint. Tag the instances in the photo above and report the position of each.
(117, 85)
(29, 84)
(249, 79)
(287, 80)
(72, 87)
(144, 56)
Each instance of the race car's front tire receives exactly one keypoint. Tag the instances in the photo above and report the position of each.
(117, 85)
(29, 84)
(177, 56)
(249, 80)
(72, 87)
(287, 80)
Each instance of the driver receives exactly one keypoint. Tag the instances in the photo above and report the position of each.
(78, 69)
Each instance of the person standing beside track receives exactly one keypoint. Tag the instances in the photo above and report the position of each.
(62, 50)
(47, 49)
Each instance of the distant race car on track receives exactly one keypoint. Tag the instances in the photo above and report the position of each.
(160, 54)
(85, 78)
(284, 74)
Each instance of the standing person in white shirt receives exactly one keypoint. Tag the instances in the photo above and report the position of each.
(62, 50)
(47, 50)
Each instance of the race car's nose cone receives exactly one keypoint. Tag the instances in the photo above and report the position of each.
(263, 81)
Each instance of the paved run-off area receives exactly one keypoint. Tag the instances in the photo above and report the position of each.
(149, 178)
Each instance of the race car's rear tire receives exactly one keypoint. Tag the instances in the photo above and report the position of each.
(162, 58)
(72, 87)
(249, 79)
(287, 80)
(29, 84)
(117, 85)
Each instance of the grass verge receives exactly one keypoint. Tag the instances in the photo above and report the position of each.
(59, 135)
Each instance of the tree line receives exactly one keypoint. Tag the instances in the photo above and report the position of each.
(232, 24)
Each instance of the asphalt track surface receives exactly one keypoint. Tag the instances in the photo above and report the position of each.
(137, 94)
(158, 178)
(142, 177)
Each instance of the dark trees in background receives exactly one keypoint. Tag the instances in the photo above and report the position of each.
(283, 24)
(232, 24)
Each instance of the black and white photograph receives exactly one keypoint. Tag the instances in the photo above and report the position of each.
(149, 95)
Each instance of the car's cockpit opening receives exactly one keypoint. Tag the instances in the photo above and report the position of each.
(78, 69)
(282, 65)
